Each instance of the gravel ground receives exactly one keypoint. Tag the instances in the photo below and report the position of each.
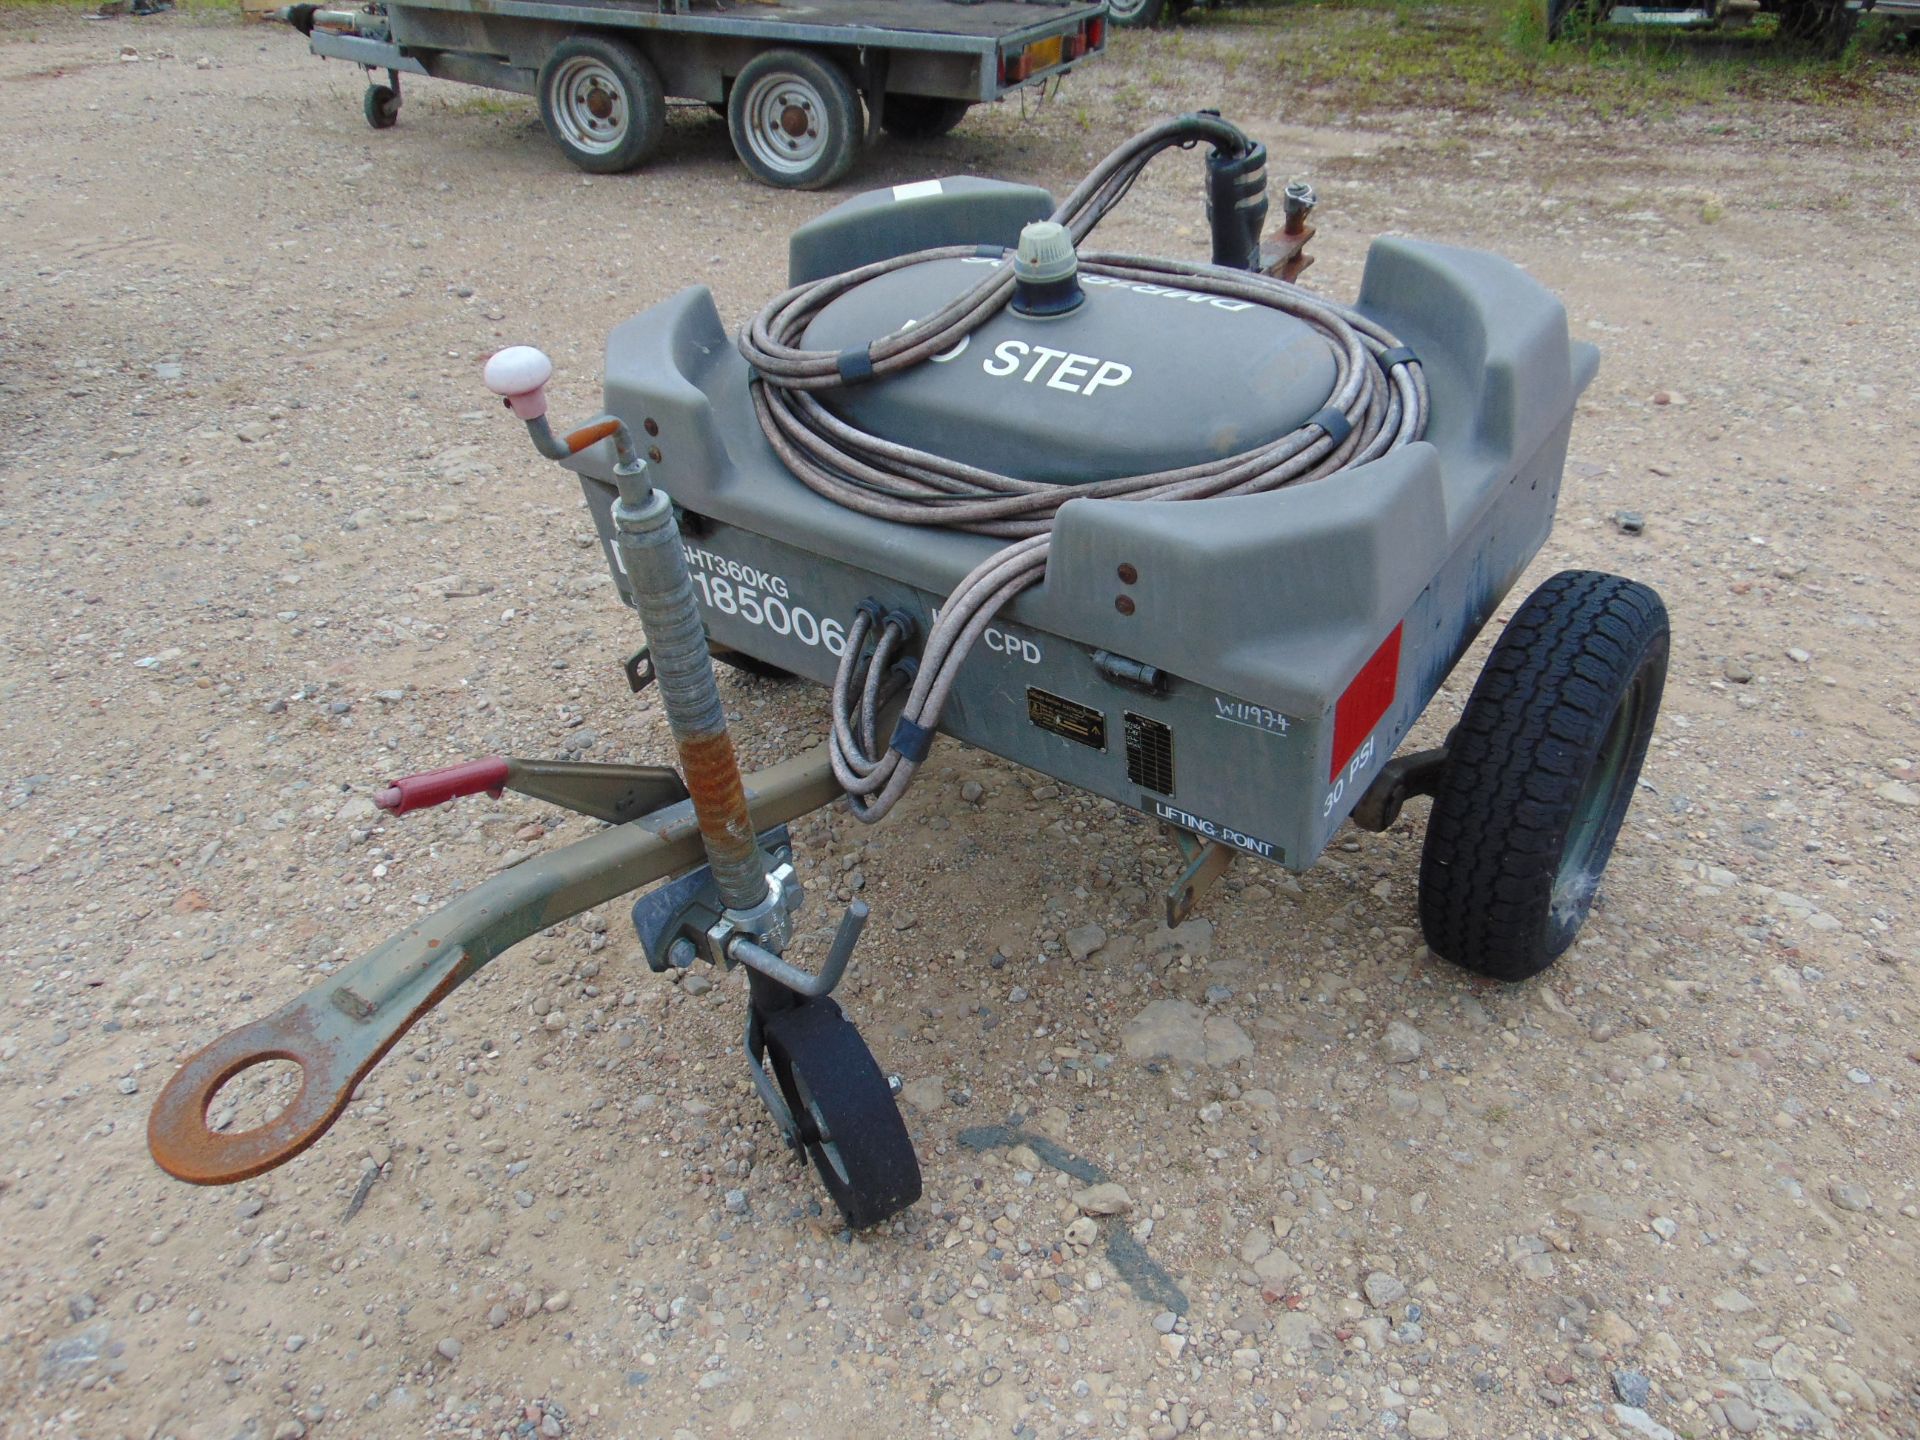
(267, 544)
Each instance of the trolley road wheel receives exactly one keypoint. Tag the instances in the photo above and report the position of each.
(602, 103)
(1540, 772)
(794, 118)
(850, 1126)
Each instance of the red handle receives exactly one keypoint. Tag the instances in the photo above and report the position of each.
(436, 787)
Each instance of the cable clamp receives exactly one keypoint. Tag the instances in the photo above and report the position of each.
(1398, 355)
(855, 365)
(910, 742)
(1335, 423)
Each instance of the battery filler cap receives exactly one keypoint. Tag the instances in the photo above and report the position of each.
(1046, 272)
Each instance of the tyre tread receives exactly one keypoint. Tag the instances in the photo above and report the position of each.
(1517, 761)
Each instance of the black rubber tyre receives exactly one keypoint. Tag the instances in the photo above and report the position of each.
(1569, 18)
(1136, 14)
(381, 107)
(921, 117)
(794, 119)
(1540, 773)
(602, 102)
(849, 1125)
(1824, 27)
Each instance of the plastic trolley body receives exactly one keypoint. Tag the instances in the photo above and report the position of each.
(1242, 668)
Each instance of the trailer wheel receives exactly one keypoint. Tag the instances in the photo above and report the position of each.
(381, 107)
(603, 104)
(850, 1126)
(794, 118)
(1822, 27)
(1540, 772)
(921, 117)
(1135, 14)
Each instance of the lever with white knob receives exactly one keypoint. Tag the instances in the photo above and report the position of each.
(519, 375)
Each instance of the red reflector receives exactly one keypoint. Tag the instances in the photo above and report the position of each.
(1096, 33)
(1365, 701)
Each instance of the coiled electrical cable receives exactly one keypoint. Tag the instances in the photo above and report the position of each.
(1377, 403)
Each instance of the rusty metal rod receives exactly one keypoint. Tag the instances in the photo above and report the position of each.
(655, 560)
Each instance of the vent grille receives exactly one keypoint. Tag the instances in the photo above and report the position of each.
(1149, 754)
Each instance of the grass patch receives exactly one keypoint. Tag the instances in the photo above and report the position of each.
(1494, 56)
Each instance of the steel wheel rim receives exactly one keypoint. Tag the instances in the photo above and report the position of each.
(822, 1138)
(1125, 9)
(786, 123)
(590, 105)
(1602, 786)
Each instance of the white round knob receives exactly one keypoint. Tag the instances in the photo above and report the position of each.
(520, 373)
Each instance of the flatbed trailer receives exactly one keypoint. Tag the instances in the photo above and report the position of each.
(802, 83)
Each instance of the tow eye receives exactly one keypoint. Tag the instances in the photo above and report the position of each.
(826, 1092)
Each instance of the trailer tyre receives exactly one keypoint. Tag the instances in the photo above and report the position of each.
(794, 119)
(922, 117)
(1823, 27)
(381, 107)
(1136, 14)
(1567, 19)
(1540, 772)
(603, 104)
(850, 1126)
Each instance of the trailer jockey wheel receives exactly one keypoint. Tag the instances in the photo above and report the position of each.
(1540, 772)
(381, 106)
(849, 1125)
(602, 102)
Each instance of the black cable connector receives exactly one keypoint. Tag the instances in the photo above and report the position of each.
(1237, 204)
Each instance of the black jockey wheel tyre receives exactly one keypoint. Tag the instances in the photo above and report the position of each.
(1539, 774)
(1136, 14)
(381, 107)
(603, 104)
(850, 1126)
(794, 119)
(921, 117)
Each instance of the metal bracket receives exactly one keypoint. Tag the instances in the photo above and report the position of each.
(639, 669)
(769, 1093)
(689, 908)
(614, 793)
(1399, 780)
(1207, 861)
